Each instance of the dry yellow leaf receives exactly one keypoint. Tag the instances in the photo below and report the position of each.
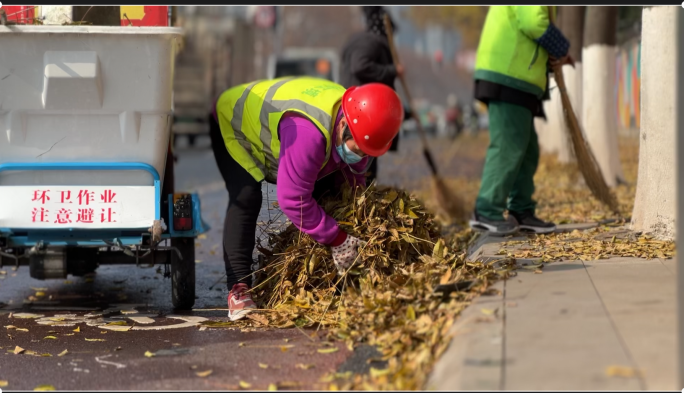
(43, 388)
(272, 387)
(78, 329)
(410, 313)
(621, 371)
(328, 350)
(305, 366)
(64, 352)
(95, 339)
(3, 383)
(18, 350)
(148, 354)
(262, 365)
(245, 385)
(375, 373)
(487, 311)
(203, 374)
(49, 338)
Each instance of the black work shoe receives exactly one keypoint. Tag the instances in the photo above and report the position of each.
(529, 222)
(496, 228)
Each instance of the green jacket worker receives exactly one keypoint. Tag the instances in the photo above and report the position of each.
(511, 78)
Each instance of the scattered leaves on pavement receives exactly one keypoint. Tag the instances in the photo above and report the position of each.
(245, 385)
(64, 352)
(203, 374)
(621, 371)
(149, 354)
(3, 383)
(49, 338)
(18, 350)
(95, 339)
(305, 366)
(43, 388)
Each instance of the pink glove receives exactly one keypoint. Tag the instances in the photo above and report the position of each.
(346, 253)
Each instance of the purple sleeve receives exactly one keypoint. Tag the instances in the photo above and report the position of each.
(302, 152)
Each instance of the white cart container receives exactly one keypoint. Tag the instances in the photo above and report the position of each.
(85, 93)
(85, 115)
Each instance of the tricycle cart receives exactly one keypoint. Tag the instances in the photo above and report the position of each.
(86, 170)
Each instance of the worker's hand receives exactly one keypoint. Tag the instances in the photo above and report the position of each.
(567, 59)
(346, 253)
(400, 69)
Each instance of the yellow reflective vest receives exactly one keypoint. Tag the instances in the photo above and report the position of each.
(249, 114)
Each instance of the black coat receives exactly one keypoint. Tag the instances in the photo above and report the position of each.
(366, 58)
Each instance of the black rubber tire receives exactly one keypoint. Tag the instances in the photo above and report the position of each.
(183, 274)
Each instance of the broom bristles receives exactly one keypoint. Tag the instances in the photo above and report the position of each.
(449, 202)
(586, 161)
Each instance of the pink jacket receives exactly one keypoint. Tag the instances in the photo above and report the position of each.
(302, 152)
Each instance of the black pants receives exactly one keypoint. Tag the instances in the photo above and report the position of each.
(244, 204)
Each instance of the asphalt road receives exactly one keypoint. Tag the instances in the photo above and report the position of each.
(41, 317)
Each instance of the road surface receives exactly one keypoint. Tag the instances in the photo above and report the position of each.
(41, 317)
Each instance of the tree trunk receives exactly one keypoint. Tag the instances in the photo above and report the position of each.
(656, 197)
(599, 111)
(571, 22)
(99, 15)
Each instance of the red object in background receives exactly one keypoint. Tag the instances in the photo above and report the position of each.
(21, 14)
(145, 15)
(439, 56)
(139, 15)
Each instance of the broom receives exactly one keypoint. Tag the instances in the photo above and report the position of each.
(450, 203)
(585, 158)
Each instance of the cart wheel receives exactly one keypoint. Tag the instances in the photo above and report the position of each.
(183, 273)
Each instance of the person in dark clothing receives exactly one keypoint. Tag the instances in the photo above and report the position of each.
(367, 58)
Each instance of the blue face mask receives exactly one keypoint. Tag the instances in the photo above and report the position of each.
(347, 155)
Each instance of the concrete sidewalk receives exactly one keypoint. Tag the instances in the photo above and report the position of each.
(602, 325)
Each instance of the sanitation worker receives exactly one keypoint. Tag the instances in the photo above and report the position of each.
(511, 78)
(366, 58)
(308, 136)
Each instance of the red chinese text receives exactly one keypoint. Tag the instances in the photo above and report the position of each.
(108, 196)
(85, 197)
(41, 196)
(63, 216)
(107, 215)
(85, 215)
(66, 196)
(40, 215)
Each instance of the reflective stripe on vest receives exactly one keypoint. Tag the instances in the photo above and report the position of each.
(249, 115)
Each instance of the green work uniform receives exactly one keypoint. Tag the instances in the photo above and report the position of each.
(511, 162)
(512, 61)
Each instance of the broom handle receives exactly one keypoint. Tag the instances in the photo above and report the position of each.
(572, 119)
(421, 131)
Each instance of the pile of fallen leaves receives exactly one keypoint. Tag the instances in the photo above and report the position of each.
(401, 296)
(588, 245)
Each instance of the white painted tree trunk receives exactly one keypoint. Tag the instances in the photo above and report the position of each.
(655, 203)
(56, 14)
(555, 138)
(599, 110)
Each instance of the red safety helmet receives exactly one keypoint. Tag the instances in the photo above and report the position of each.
(374, 114)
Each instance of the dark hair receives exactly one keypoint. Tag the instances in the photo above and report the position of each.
(375, 22)
(346, 133)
